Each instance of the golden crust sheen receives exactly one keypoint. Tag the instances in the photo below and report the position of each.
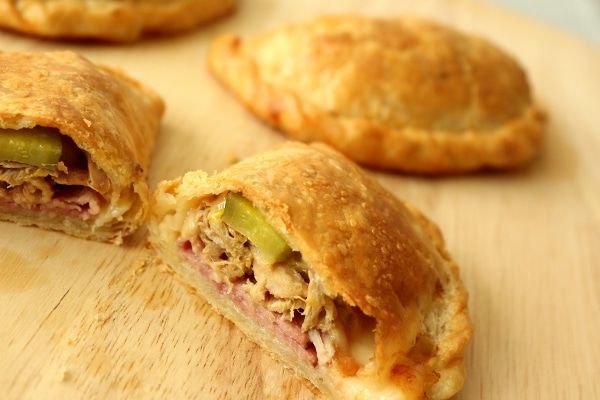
(404, 94)
(111, 20)
(110, 116)
(369, 248)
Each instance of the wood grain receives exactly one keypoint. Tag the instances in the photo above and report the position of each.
(89, 320)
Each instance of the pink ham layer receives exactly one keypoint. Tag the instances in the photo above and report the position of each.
(289, 332)
(74, 203)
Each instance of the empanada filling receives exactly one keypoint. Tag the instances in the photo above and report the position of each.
(43, 170)
(282, 293)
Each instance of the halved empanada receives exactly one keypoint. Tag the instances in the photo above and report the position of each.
(403, 94)
(321, 266)
(75, 144)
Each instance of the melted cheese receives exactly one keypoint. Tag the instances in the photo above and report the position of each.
(116, 210)
(362, 344)
(365, 388)
(356, 337)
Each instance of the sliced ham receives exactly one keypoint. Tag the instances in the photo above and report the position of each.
(62, 192)
(77, 202)
(288, 331)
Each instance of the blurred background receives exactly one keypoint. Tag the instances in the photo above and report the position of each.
(580, 17)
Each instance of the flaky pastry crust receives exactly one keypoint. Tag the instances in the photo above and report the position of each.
(110, 20)
(112, 118)
(403, 94)
(371, 250)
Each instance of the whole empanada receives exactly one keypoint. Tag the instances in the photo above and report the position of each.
(76, 140)
(404, 94)
(111, 20)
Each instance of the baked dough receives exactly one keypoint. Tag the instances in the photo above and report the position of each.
(111, 119)
(111, 20)
(403, 94)
(369, 304)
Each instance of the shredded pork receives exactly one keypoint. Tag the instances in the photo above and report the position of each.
(287, 289)
(62, 191)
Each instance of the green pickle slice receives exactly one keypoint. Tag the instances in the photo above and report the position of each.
(241, 215)
(38, 146)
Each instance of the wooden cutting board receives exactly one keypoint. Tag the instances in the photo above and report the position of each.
(84, 320)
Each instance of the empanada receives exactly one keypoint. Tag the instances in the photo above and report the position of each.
(111, 20)
(403, 94)
(75, 144)
(325, 269)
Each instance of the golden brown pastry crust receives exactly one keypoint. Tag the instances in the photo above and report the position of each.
(405, 94)
(111, 117)
(374, 251)
(112, 20)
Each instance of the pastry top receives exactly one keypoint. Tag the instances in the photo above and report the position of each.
(109, 115)
(111, 20)
(368, 248)
(406, 94)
